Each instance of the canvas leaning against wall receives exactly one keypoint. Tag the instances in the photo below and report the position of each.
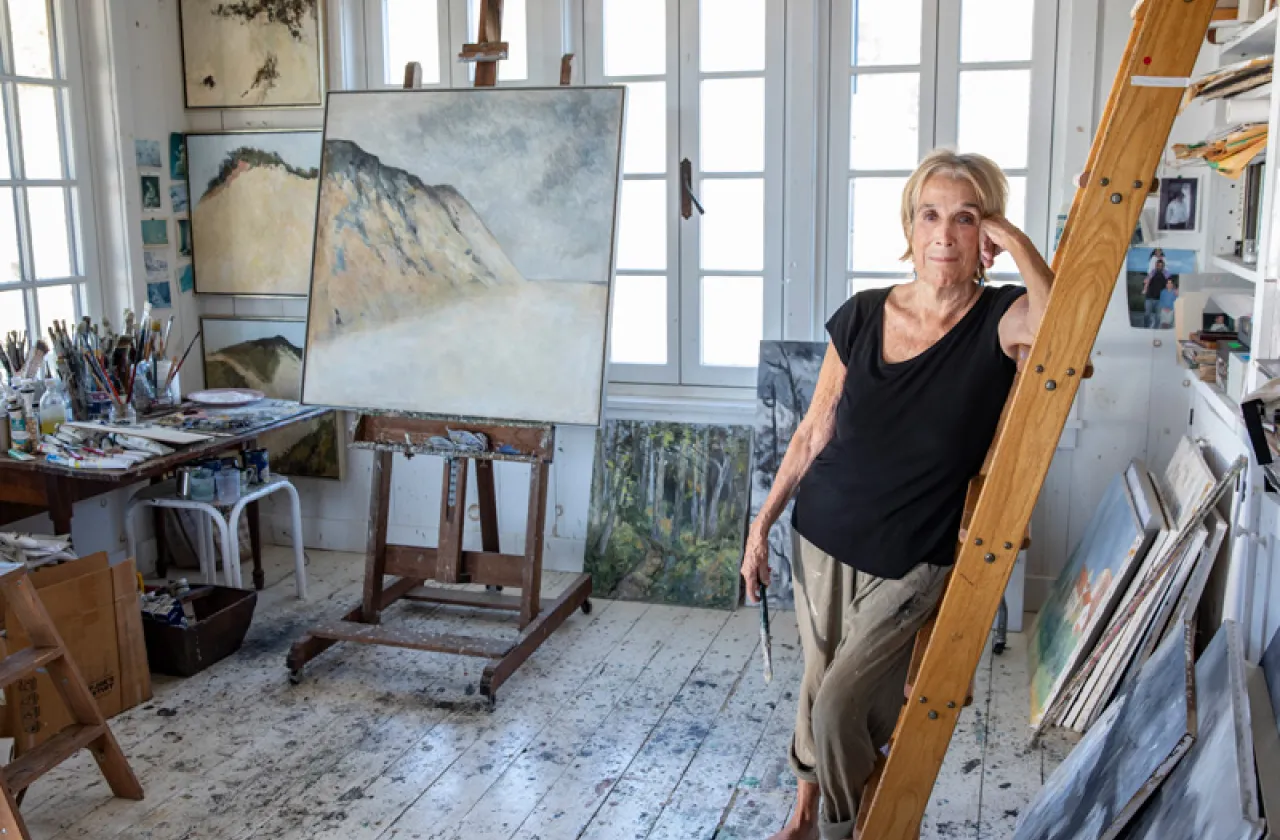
(266, 355)
(668, 512)
(253, 205)
(464, 252)
(265, 53)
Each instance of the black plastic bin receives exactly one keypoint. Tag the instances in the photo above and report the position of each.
(223, 615)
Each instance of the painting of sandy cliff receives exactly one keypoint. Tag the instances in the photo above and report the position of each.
(266, 355)
(253, 206)
(463, 252)
(251, 53)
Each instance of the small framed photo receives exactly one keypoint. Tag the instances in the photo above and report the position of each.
(1178, 203)
(150, 192)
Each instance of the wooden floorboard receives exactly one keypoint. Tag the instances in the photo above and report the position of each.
(639, 721)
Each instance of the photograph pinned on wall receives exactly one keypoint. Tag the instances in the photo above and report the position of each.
(266, 354)
(253, 210)
(159, 295)
(177, 157)
(151, 192)
(1152, 280)
(1212, 322)
(155, 233)
(513, 195)
(178, 197)
(186, 279)
(251, 55)
(184, 238)
(1178, 200)
(147, 153)
(157, 266)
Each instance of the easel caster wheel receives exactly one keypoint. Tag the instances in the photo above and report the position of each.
(586, 607)
(295, 676)
(997, 648)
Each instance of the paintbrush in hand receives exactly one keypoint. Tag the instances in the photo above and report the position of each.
(766, 641)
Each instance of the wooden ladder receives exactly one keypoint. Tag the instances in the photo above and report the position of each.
(89, 731)
(1126, 150)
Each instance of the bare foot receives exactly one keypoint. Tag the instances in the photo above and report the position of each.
(803, 824)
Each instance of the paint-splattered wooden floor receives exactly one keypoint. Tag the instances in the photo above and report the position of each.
(637, 721)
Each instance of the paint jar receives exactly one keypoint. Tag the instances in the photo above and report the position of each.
(122, 416)
(1249, 251)
(257, 463)
(183, 483)
(227, 483)
(202, 489)
(19, 434)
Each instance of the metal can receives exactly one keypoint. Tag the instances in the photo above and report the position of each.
(19, 432)
(257, 463)
(184, 483)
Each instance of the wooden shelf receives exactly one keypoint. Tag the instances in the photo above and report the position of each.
(1259, 38)
(1234, 265)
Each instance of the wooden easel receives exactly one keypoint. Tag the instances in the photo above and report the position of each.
(1134, 128)
(448, 563)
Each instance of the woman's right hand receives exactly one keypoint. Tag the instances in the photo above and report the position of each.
(755, 563)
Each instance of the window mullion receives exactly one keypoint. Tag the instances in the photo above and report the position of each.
(686, 270)
(944, 75)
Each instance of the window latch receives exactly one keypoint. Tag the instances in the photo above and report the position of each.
(687, 199)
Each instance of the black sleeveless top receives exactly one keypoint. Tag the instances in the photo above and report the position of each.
(887, 492)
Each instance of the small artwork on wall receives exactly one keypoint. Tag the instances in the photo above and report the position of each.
(155, 233)
(1178, 198)
(156, 265)
(150, 192)
(177, 157)
(159, 295)
(178, 197)
(147, 153)
(184, 238)
(186, 279)
(249, 55)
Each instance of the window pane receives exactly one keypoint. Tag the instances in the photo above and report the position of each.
(886, 32)
(876, 242)
(1016, 212)
(635, 37)
(733, 125)
(412, 30)
(1004, 140)
(5, 171)
(732, 35)
(642, 229)
(515, 31)
(41, 145)
(733, 227)
(639, 332)
(885, 121)
(29, 20)
(49, 242)
(646, 141)
(10, 264)
(13, 313)
(732, 320)
(56, 303)
(996, 30)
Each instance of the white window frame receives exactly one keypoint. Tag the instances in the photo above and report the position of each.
(939, 70)
(683, 270)
(77, 180)
(544, 32)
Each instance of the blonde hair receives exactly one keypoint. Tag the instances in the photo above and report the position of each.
(981, 172)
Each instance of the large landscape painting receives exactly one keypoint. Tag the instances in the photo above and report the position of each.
(266, 355)
(253, 206)
(668, 512)
(251, 53)
(785, 380)
(464, 249)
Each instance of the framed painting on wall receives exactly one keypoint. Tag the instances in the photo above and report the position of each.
(264, 54)
(253, 208)
(266, 354)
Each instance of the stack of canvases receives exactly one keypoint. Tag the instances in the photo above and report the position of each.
(1170, 757)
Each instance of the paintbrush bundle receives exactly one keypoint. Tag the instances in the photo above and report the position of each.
(16, 349)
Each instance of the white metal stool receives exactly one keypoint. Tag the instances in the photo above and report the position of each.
(164, 495)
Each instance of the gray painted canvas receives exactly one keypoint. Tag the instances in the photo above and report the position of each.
(1132, 747)
(464, 251)
(1211, 794)
(785, 380)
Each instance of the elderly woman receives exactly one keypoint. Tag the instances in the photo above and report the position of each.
(906, 406)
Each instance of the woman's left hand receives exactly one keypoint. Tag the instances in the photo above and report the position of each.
(998, 235)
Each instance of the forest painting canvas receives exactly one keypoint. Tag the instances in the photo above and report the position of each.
(785, 380)
(1115, 541)
(266, 355)
(253, 206)
(668, 512)
(251, 53)
(1138, 739)
(450, 217)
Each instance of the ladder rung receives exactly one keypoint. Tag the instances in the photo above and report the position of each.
(43, 758)
(16, 666)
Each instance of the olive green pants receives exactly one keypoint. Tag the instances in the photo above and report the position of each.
(857, 633)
